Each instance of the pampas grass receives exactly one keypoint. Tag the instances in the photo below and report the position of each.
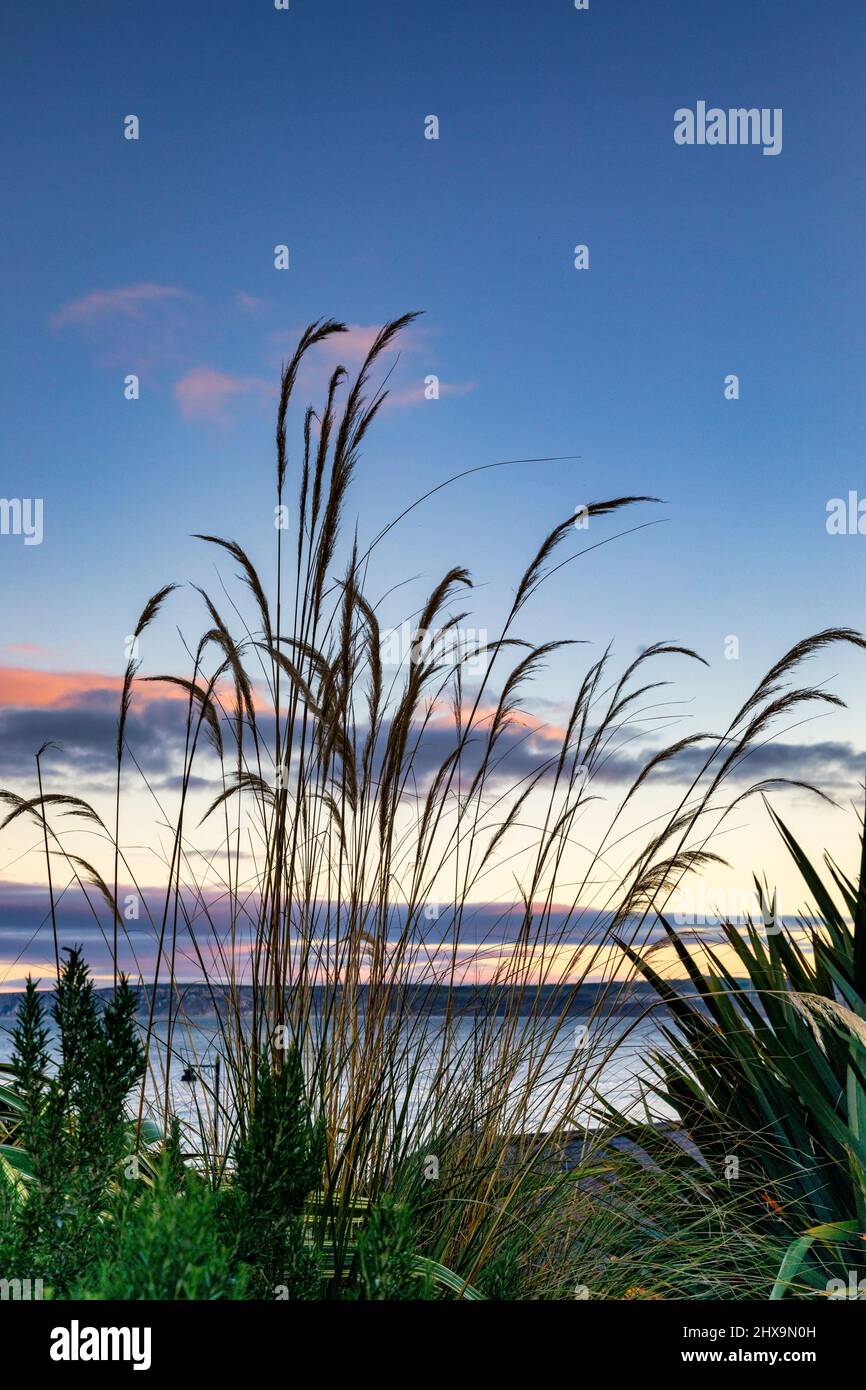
(335, 837)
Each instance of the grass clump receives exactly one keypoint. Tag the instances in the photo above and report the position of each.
(354, 815)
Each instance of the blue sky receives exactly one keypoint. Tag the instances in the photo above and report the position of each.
(306, 127)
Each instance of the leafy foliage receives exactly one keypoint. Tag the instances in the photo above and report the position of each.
(278, 1162)
(771, 1069)
(165, 1244)
(72, 1124)
(387, 1264)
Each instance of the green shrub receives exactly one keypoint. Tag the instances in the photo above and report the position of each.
(166, 1245)
(386, 1260)
(72, 1124)
(278, 1162)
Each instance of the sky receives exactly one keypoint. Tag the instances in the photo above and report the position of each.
(306, 128)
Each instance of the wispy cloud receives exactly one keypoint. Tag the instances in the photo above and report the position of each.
(350, 348)
(139, 328)
(409, 385)
(205, 394)
(128, 301)
(32, 650)
(249, 303)
(353, 345)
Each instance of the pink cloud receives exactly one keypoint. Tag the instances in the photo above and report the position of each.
(442, 717)
(26, 649)
(23, 687)
(127, 302)
(204, 394)
(350, 348)
(249, 303)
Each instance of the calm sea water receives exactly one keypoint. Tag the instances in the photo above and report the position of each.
(615, 1063)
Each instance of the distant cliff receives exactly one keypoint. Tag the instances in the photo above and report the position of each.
(200, 1000)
